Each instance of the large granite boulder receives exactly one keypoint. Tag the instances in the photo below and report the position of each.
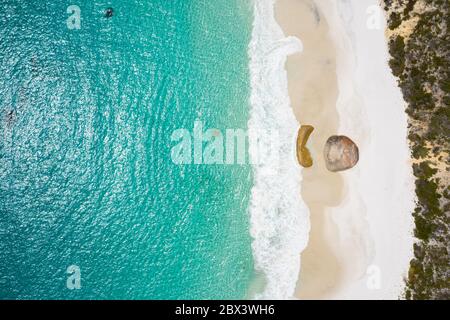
(341, 153)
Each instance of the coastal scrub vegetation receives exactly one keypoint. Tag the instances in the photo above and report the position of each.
(419, 46)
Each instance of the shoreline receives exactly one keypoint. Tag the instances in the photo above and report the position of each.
(279, 222)
(361, 226)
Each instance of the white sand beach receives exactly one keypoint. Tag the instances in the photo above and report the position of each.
(360, 241)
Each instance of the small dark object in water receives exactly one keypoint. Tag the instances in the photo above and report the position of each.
(10, 117)
(109, 12)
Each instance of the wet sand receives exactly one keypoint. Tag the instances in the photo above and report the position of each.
(313, 91)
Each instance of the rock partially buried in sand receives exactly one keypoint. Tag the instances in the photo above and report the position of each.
(341, 153)
(303, 154)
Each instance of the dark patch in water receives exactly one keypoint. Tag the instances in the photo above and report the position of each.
(9, 117)
(34, 67)
(109, 12)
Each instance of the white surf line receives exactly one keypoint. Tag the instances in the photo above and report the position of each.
(278, 216)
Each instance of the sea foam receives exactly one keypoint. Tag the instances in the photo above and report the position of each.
(279, 218)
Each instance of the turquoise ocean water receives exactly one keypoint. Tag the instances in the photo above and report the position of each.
(86, 177)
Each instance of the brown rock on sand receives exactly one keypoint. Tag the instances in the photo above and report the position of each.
(341, 153)
(303, 154)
